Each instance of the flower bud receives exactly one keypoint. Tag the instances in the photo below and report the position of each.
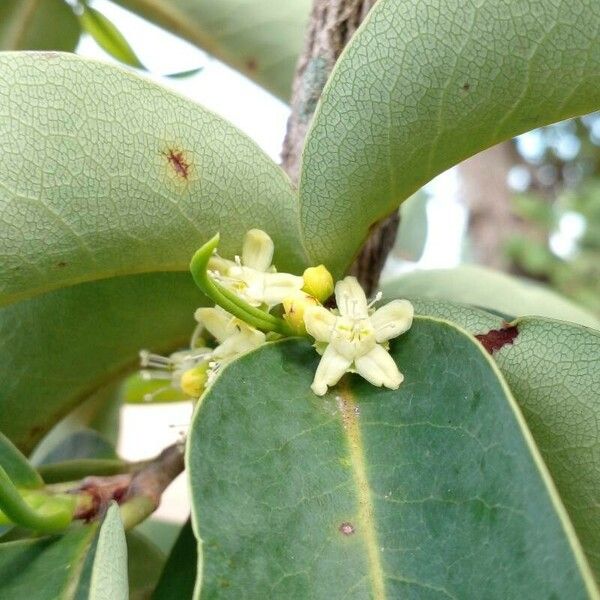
(194, 380)
(294, 307)
(318, 282)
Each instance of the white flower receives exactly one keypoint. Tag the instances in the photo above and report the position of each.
(176, 370)
(354, 337)
(234, 336)
(252, 277)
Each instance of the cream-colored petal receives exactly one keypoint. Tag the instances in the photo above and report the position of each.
(217, 322)
(331, 368)
(220, 265)
(379, 368)
(319, 322)
(278, 286)
(350, 298)
(257, 252)
(392, 319)
(244, 340)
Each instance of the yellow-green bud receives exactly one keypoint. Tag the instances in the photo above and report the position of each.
(294, 308)
(318, 282)
(193, 380)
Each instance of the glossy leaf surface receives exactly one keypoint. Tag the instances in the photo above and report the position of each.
(420, 492)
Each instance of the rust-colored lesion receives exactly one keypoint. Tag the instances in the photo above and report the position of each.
(179, 162)
(495, 339)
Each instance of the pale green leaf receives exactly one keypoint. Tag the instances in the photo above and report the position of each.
(108, 37)
(423, 85)
(433, 490)
(120, 176)
(38, 25)
(260, 38)
(478, 286)
(109, 573)
(553, 369)
(60, 348)
(44, 568)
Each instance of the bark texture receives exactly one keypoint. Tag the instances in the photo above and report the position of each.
(332, 23)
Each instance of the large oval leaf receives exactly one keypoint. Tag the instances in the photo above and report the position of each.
(260, 38)
(475, 285)
(433, 490)
(60, 348)
(423, 85)
(103, 173)
(553, 368)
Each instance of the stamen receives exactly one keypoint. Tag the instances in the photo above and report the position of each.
(376, 299)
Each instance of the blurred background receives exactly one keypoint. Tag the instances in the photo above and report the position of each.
(529, 206)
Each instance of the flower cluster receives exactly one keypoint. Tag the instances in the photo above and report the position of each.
(255, 303)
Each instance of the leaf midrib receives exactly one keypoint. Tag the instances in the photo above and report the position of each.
(349, 412)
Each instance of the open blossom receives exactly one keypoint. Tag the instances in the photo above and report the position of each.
(252, 277)
(234, 336)
(355, 337)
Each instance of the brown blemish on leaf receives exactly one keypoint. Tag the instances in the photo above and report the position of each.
(251, 64)
(346, 528)
(61, 264)
(495, 339)
(466, 86)
(178, 162)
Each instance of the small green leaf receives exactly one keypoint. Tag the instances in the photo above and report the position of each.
(109, 573)
(136, 389)
(184, 74)
(108, 37)
(144, 565)
(425, 84)
(478, 286)
(44, 568)
(17, 467)
(179, 575)
(260, 38)
(38, 25)
(420, 492)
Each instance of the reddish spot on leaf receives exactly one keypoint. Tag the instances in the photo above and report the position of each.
(346, 528)
(179, 163)
(251, 64)
(495, 339)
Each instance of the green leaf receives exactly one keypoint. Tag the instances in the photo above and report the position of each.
(144, 565)
(489, 289)
(435, 489)
(96, 332)
(120, 177)
(162, 534)
(99, 412)
(260, 38)
(85, 443)
(44, 568)
(38, 25)
(17, 467)
(184, 74)
(109, 573)
(179, 575)
(412, 232)
(108, 37)
(424, 85)
(553, 370)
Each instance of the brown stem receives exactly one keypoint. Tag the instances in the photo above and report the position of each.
(332, 24)
(138, 493)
